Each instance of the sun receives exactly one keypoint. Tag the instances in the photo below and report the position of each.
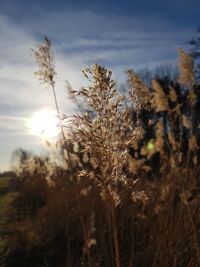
(44, 123)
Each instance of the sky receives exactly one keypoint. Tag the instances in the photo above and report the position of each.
(120, 35)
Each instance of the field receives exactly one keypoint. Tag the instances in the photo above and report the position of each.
(6, 196)
(124, 189)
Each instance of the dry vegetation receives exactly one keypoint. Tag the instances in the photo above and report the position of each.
(126, 191)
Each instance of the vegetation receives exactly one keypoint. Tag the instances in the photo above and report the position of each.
(125, 191)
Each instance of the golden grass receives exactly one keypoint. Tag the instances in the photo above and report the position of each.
(129, 194)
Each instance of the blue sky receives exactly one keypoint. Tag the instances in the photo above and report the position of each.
(117, 34)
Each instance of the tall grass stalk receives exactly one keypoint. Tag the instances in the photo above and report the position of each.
(46, 73)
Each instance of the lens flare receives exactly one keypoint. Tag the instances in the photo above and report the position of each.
(150, 146)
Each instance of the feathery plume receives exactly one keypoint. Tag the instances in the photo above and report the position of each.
(46, 63)
(159, 100)
(138, 91)
(186, 68)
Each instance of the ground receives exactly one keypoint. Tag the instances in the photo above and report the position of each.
(6, 195)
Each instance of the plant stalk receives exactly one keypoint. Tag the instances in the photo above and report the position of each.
(115, 235)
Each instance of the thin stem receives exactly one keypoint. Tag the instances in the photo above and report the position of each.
(189, 211)
(60, 124)
(192, 222)
(115, 235)
(57, 109)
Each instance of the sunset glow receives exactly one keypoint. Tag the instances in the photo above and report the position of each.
(44, 123)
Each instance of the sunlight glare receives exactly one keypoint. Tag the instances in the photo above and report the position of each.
(44, 123)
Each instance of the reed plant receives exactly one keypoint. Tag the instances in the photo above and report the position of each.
(129, 194)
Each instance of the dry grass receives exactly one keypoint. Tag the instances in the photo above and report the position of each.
(129, 195)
